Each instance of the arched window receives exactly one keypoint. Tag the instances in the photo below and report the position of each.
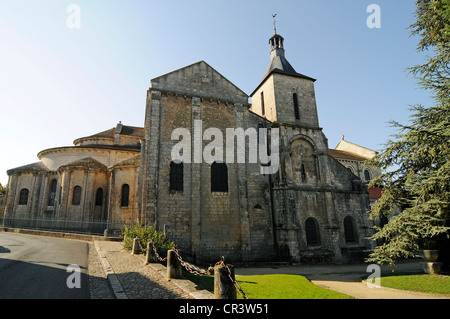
(23, 197)
(99, 197)
(296, 110)
(52, 193)
(219, 177)
(176, 176)
(76, 196)
(350, 230)
(312, 232)
(366, 175)
(125, 195)
(303, 173)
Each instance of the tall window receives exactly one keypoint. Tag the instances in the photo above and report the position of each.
(296, 111)
(263, 108)
(303, 173)
(176, 176)
(366, 175)
(219, 177)
(312, 232)
(23, 197)
(99, 197)
(76, 196)
(350, 230)
(125, 195)
(52, 193)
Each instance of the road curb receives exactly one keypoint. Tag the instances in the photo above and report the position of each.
(48, 233)
(114, 282)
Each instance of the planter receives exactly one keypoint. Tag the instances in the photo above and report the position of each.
(430, 255)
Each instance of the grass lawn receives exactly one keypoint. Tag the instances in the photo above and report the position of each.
(273, 287)
(438, 284)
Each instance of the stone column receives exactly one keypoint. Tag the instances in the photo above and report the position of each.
(36, 193)
(241, 174)
(195, 188)
(152, 157)
(65, 193)
(88, 194)
(11, 199)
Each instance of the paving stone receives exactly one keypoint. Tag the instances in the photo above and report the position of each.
(139, 281)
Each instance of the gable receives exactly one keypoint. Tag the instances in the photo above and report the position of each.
(354, 149)
(200, 80)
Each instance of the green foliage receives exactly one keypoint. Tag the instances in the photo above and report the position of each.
(416, 166)
(2, 190)
(146, 233)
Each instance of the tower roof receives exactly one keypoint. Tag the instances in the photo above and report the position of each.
(278, 62)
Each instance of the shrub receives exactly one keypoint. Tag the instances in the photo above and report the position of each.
(146, 233)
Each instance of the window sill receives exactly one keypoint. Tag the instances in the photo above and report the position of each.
(219, 194)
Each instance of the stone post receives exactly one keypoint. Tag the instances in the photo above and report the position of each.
(223, 286)
(173, 265)
(135, 249)
(150, 257)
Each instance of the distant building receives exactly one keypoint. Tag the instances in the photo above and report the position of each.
(70, 186)
(354, 158)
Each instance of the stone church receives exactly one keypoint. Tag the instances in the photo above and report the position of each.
(313, 207)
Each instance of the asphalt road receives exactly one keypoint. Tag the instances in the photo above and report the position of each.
(34, 267)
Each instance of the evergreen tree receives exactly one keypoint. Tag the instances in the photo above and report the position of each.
(416, 164)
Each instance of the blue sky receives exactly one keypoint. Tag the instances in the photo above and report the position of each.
(59, 83)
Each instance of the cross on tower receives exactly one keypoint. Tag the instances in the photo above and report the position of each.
(274, 23)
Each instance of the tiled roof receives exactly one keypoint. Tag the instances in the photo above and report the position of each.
(34, 167)
(86, 162)
(125, 130)
(132, 161)
(346, 155)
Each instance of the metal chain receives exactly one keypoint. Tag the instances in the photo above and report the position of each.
(154, 249)
(191, 268)
(195, 270)
(236, 285)
(156, 252)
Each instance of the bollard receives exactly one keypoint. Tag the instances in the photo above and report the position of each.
(223, 286)
(150, 257)
(173, 265)
(135, 249)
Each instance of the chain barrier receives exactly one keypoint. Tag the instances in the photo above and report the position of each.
(236, 285)
(193, 269)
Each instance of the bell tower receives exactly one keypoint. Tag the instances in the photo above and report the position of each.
(285, 96)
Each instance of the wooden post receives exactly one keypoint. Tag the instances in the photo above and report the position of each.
(223, 286)
(173, 265)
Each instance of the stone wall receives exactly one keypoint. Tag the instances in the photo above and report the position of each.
(207, 224)
(2, 205)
